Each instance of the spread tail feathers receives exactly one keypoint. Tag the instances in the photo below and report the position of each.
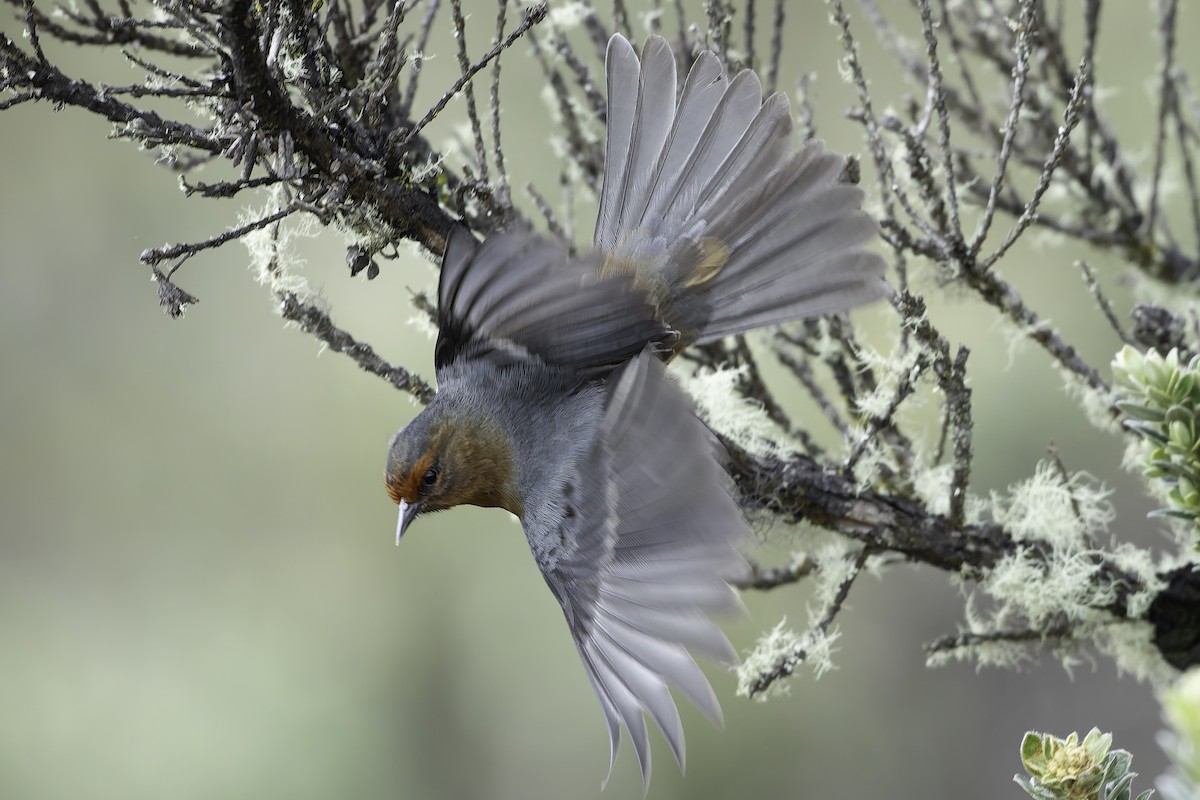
(710, 202)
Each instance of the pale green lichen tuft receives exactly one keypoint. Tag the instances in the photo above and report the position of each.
(650, 18)
(1140, 563)
(1130, 644)
(783, 647)
(432, 166)
(1046, 592)
(569, 15)
(876, 458)
(1043, 589)
(824, 344)
(273, 257)
(780, 651)
(362, 226)
(590, 127)
(1060, 586)
(725, 410)
(933, 485)
(1064, 510)
(835, 564)
(1095, 404)
(890, 371)
(772, 648)
(421, 323)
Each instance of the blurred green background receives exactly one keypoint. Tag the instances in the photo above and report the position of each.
(199, 594)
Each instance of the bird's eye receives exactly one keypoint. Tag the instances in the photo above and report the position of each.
(429, 479)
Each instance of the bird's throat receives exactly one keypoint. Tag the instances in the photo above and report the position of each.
(488, 474)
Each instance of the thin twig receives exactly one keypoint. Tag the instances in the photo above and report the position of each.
(533, 15)
(776, 47)
(502, 187)
(317, 322)
(1102, 301)
(156, 255)
(1166, 101)
(764, 578)
(787, 663)
(464, 65)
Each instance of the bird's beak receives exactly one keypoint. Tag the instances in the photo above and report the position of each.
(407, 512)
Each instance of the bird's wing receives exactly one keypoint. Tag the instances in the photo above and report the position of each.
(638, 551)
(709, 198)
(518, 294)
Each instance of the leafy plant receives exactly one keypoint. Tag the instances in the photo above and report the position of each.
(1068, 769)
(1161, 398)
(1181, 707)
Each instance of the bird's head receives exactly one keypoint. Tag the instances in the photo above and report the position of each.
(440, 460)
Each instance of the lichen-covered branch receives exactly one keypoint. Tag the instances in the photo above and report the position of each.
(313, 111)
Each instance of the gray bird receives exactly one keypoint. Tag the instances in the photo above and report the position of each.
(552, 400)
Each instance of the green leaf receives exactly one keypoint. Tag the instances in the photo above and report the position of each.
(1033, 754)
(1179, 414)
(1119, 789)
(1140, 411)
(1146, 429)
(1183, 388)
(1117, 764)
(1181, 434)
(1159, 397)
(1169, 467)
(1033, 788)
(1173, 513)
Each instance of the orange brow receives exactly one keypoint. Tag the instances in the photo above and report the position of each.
(406, 487)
